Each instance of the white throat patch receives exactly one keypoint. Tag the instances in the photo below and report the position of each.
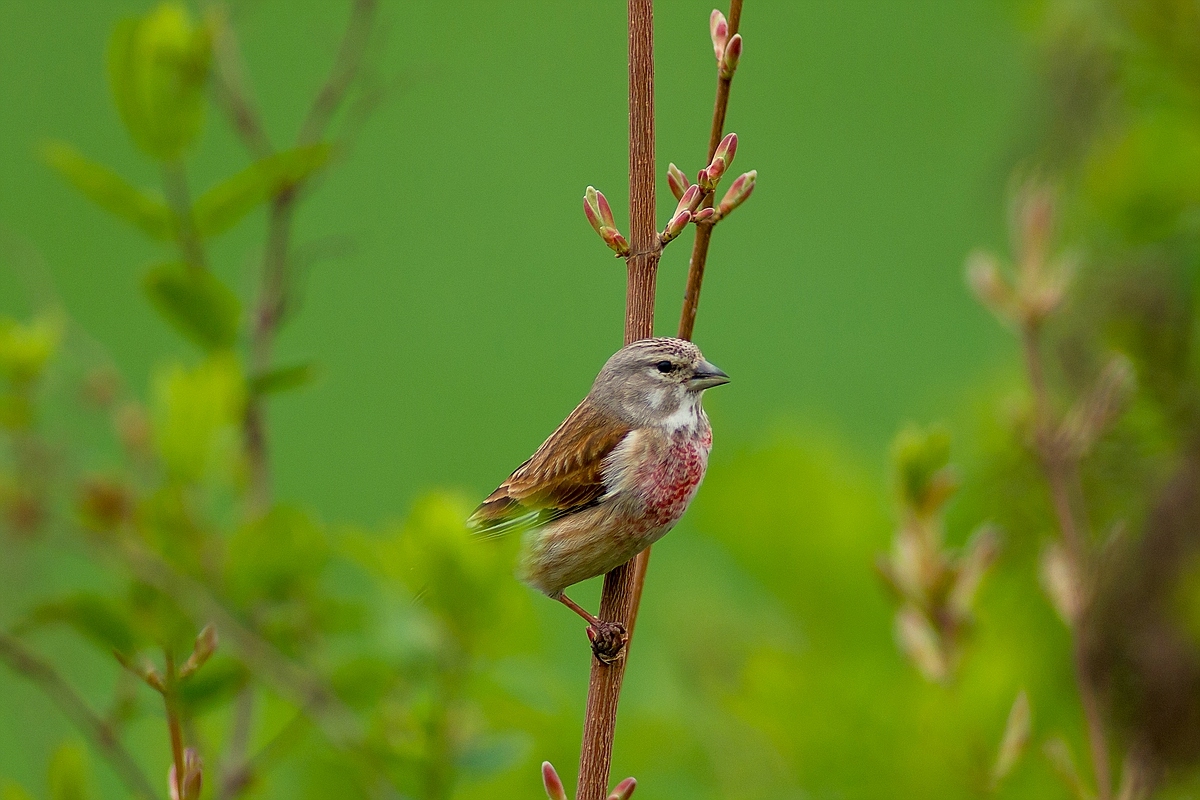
(687, 416)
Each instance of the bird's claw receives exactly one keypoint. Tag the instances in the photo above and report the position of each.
(608, 641)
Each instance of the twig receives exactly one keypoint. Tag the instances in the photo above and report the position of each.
(170, 695)
(622, 586)
(1062, 476)
(695, 278)
(176, 189)
(271, 307)
(101, 735)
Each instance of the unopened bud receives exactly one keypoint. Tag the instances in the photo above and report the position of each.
(1061, 583)
(989, 286)
(678, 181)
(145, 670)
(591, 208)
(714, 172)
(1016, 736)
(676, 225)
(624, 790)
(921, 643)
(727, 148)
(739, 190)
(718, 28)
(554, 785)
(206, 645)
(733, 54)
(690, 200)
(973, 565)
(189, 788)
(615, 241)
(704, 215)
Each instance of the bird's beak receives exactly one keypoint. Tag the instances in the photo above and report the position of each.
(707, 375)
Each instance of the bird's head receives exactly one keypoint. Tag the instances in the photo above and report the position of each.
(648, 381)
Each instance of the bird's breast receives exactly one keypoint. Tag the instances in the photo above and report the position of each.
(664, 471)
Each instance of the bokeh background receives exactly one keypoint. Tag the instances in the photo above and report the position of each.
(460, 308)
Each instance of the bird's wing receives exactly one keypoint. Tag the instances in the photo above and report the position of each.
(564, 476)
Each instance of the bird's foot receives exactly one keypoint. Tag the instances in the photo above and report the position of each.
(608, 641)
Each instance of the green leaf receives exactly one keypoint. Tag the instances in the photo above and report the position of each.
(224, 205)
(196, 303)
(144, 210)
(196, 416)
(157, 70)
(98, 618)
(26, 349)
(68, 773)
(282, 379)
(14, 792)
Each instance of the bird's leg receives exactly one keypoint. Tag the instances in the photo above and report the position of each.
(578, 609)
(608, 638)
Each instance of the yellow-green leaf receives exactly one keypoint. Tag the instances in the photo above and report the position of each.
(68, 773)
(157, 70)
(282, 379)
(224, 205)
(144, 210)
(196, 303)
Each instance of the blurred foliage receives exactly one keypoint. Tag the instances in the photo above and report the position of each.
(402, 660)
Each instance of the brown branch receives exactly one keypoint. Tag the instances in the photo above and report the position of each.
(1061, 471)
(623, 586)
(100, 733)
(695, 278)
(170, 695)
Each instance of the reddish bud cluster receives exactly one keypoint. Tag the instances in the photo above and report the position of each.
(599, 214)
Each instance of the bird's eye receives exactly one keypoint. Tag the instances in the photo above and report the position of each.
(665, 367)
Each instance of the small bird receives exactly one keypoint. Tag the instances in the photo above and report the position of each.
(616, 475)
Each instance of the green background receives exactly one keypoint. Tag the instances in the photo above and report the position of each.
(469, 306)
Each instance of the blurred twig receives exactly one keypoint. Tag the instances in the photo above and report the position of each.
(101, 735)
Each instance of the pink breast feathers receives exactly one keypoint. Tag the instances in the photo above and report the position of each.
(672, 481)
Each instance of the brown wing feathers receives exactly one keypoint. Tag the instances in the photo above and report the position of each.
(564, 475)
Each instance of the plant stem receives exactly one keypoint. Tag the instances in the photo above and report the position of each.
(695, 278)
(170, 695)
(271, 307)
(176, 189)
(623, 586)
(1062, 477)
(101, 735)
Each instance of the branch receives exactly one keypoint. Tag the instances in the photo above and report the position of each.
(695, 278)
(623, 586)
(271, 308)
(40, 672)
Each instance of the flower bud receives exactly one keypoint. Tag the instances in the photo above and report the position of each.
(676, 225)
(624, 790)
(192, 777)
(729, 60)
(591, 208)
(989, 286)
(738, 192)
(206, 645)
(554, 785)
(1016, 736)
(727, 148)
(1061, 583)
(704, 215)
(678, 181)
(690, 199)
(922, 644)
(718, 28)
(615, 241)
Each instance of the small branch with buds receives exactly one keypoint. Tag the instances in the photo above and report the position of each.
(622, 590)
(1025, 304)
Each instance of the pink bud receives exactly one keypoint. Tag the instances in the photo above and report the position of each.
(554, 785)
(192, 777)
(703, 215)
(624, 790)
(616, 242)
(690, 200)
(591, 208)
(675, 226)
(733, 54)
(718, 28)
(738, 192)
(677, 180)
(727, 148)
(716, 170)
(606, 211)
(702, 179)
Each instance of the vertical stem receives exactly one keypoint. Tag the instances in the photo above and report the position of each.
(623, 586)
(171, 701)
(1062, 477)
(178, 198)
(695, 278)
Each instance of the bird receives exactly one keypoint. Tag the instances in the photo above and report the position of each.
(615, 476)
